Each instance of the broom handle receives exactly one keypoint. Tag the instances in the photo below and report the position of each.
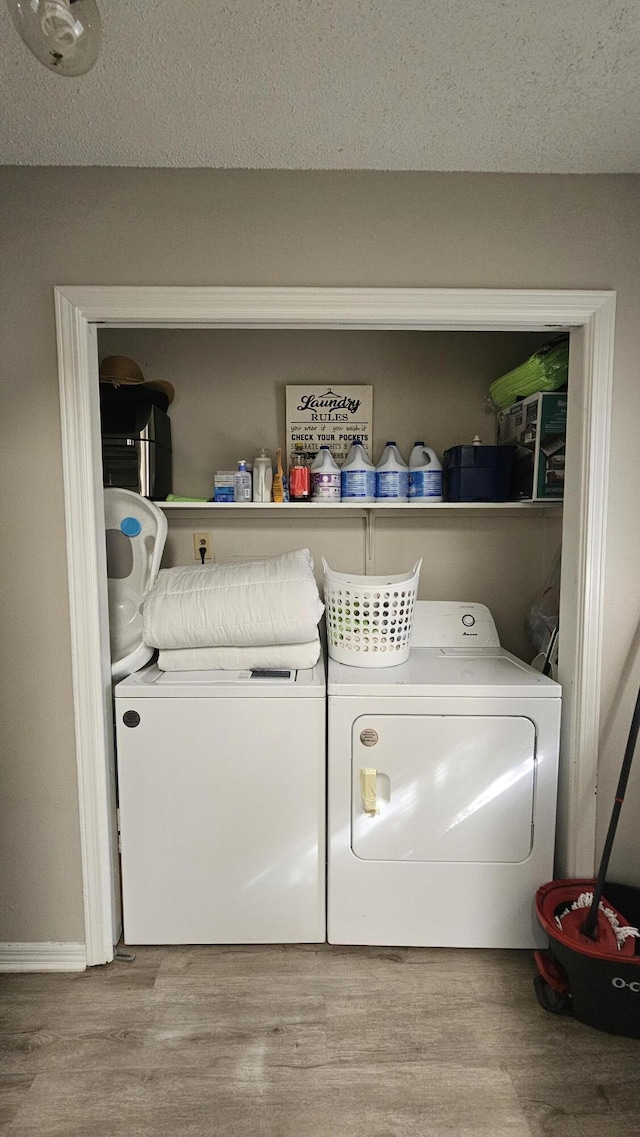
(589, 925)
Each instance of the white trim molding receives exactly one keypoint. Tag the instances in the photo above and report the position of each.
(441, 309)
(43, 957)
(590, 315)
(582, 586)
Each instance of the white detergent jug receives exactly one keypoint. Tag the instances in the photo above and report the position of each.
(325, 476)
(392, 475)
(425, 474)
(262, 476)
(358, 475)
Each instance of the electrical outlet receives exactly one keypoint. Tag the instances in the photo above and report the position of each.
(202, 541)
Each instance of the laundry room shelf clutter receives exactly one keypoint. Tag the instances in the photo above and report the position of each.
(230, 403)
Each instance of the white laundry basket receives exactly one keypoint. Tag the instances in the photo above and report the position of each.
(369, 618)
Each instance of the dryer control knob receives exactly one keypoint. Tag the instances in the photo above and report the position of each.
(468, 620)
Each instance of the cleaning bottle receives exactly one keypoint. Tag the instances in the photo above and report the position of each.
(299, 478)
(262, 476)
(358, 475)
(325, 476)
(425, 474)
(280, 487)
(242, 483)
(392, 475)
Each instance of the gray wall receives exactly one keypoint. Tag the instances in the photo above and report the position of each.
(191, 227)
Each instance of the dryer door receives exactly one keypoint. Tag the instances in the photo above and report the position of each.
(442, 787)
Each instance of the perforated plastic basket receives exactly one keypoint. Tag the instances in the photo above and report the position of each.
(369, 618)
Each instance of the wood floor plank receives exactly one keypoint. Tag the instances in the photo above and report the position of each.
(317, 1102)
(626, 1125)
(113, 976)
(421, 976)
(13, 1091)
(111, 1009)
(623, 1094)
(599, 1082)
(330, 961)
(444, 1028)
(170, 1032)
(550, 1121)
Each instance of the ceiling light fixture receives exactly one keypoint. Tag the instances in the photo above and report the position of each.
(65, 35)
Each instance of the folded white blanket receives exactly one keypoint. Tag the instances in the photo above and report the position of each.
(289, 657)
(273, 601)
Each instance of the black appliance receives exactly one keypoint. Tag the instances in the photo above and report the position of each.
(136, 440)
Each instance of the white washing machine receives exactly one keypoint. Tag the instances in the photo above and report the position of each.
(221, 779)
(442, 790)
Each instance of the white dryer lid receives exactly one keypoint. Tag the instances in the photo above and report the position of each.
(480, 672)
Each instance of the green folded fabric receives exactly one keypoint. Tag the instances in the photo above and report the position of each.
(546, 370)
(176, 497)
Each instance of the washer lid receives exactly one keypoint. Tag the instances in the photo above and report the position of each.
(480, 672)
(152, 683)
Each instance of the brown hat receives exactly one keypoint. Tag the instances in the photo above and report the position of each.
(120, 370)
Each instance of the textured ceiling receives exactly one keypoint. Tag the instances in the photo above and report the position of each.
(487, 85)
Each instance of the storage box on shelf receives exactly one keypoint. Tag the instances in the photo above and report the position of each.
(538, 426)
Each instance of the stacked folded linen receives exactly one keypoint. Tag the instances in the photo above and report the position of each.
(255, 614)
(287, 657)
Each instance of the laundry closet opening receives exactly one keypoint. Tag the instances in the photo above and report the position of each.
(83, 312)
(430, 385)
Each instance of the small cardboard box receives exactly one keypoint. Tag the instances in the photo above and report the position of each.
(538, 425)
(224, 485)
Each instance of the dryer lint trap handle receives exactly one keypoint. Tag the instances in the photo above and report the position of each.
(368, 779)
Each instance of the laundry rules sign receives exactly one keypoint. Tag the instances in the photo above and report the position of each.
(328, 416)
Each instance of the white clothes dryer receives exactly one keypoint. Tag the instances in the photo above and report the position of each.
(441, 790)
(221, 779)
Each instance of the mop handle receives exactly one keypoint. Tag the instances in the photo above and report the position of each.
(589, 925)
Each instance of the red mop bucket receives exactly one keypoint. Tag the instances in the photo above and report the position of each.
(592, 967)
(599, 984)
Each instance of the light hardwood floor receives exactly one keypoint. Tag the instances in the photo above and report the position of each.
(306, 1041)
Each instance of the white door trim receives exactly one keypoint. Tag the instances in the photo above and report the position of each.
(80, 309)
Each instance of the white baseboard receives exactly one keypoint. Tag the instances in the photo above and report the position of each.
(43, 957)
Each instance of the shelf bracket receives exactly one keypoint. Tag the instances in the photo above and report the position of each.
(369, 538)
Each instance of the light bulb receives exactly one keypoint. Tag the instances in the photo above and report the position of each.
(65, 35)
